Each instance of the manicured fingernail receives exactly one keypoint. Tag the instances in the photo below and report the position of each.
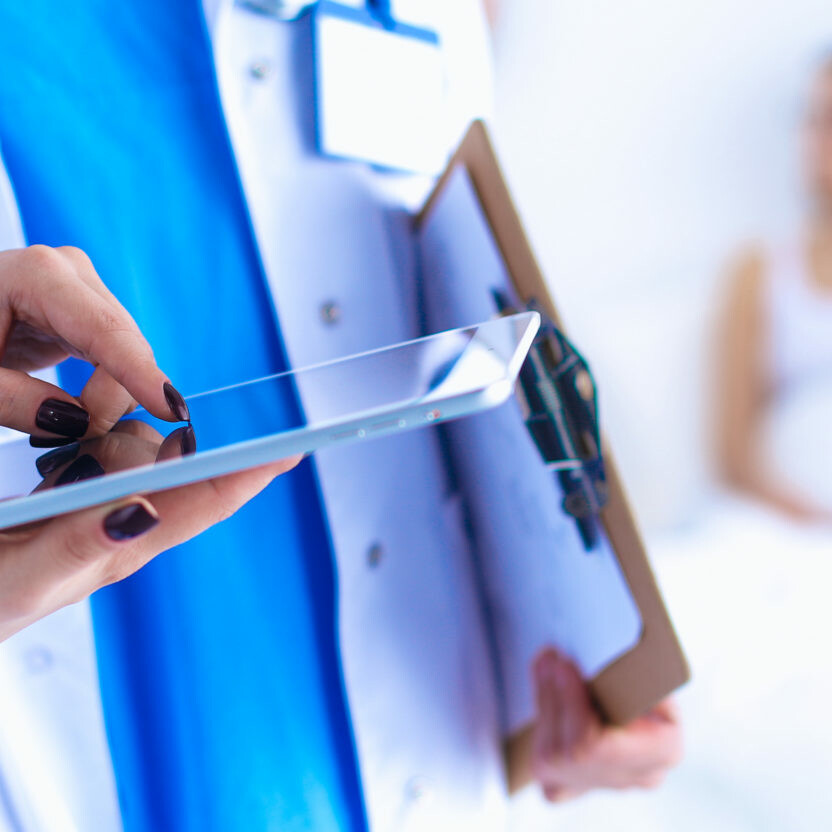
(51, 461)
(84, 468)
(63, 418)
(128, 522)
(178, 406)
(187, 441)
(50, 441)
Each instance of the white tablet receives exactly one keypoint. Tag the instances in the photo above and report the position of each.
(354, 399)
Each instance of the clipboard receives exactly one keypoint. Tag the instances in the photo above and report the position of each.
(655, 666)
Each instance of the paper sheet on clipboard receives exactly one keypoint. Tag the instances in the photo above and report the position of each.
(589, 611)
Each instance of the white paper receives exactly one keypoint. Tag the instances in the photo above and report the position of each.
(541, 585)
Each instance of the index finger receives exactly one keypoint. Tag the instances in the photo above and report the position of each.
(104, 334)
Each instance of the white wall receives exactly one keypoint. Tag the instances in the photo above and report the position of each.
(645, 140)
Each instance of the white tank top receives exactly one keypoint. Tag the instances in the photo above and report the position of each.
(798, 431)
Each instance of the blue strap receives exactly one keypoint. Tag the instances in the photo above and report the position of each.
(219, 667)
(380, 9)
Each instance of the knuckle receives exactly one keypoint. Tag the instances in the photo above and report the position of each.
(120, 566)
(106, 320)
(103, 416)
(12, 395)
(78, 257)
(106, 326)
(100, 424)
(79, 548)
(46, 260)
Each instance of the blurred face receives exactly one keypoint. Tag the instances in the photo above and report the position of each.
(817, 145)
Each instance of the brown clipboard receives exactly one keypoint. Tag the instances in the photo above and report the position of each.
(656, 666)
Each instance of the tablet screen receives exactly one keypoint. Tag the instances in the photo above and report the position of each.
(347, 399)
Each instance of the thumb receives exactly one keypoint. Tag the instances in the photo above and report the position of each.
(68, 558)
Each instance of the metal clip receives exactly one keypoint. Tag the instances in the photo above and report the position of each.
(279, 9)
(558, 398)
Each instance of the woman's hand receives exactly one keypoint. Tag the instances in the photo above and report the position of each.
(53, 305)
(46, 566)
(574, 752)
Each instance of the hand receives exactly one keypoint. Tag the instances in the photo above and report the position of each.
(53, 305)
(574, 752)
(46, 566)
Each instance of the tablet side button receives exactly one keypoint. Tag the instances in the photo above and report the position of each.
(350, 434)
(388, 425)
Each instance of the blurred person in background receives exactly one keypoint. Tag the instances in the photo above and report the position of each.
(775, 347)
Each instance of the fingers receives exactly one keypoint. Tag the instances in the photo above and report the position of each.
(652, 744)
(59, 293)
(105, 400)
(189, 510)
(666, 711)
(573, 752)
(565, 712)
(64, 560)
(68, 558)
(106, 336)
(179, 443)
(39, 408)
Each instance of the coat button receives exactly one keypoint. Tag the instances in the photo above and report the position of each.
(330, 312)
(260, 70)
(38, 659)
(374, 555)
(419, 790)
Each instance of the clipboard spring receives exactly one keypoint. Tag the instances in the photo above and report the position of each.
(558, 398)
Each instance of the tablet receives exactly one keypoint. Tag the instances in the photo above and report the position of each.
(377, 393)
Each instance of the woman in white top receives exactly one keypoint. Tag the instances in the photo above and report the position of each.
(775, 361)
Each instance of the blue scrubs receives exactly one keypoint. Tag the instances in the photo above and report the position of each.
(220, 677)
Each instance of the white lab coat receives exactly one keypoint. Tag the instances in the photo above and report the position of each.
(419, 666)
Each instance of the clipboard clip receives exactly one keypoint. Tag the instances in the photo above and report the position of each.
(558, 398)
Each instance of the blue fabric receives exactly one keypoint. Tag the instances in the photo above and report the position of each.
(220, 677)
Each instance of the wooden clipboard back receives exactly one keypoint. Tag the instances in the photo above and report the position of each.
(656, 666)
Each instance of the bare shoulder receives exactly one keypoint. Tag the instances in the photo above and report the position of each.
(745, 274)
(748, 265)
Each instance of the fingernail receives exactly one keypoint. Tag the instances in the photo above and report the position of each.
(50, 441)
(176, 403)
(84, 468)
(187, 441)
(49, 462)
(128, 522)
(63, 418)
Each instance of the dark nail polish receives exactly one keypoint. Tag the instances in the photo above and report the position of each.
(63, 418)
(188, 441)
(50, 441)
(128, 522)
(176, 403)
(84, 468)
(51, 461)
